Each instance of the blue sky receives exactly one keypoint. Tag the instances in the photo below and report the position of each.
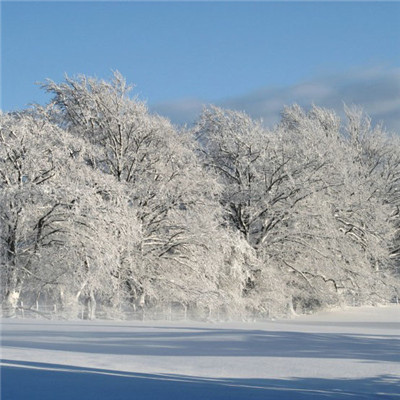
(251, 56)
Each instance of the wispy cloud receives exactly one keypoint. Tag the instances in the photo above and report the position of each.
(377, 90)
(180, 111)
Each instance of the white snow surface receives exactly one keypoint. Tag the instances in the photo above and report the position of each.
(342, 354)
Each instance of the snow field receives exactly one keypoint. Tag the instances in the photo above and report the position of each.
(352, 353)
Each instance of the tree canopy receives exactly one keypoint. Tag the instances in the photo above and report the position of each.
(106, 206)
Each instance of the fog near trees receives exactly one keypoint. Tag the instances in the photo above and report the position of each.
(105, 206)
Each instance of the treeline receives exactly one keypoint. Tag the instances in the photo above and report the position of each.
(105, 205)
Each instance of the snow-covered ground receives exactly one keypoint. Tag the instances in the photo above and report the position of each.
(350, 354)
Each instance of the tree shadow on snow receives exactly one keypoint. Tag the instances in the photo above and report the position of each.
(213, 342)
(39, 381)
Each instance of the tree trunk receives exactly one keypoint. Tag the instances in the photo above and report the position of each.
(91, 306)
(13, 292)
(10, 303)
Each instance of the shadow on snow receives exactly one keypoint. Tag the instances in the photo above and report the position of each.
(212, 342)
(51, 381)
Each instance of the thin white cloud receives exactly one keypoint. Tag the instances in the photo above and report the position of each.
(377, 90)
(181, 111)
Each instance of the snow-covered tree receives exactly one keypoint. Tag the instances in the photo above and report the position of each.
(31, 207)
(304, 198)
(103, 204)
(56, 213)
(175, 201)
(350, 213)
